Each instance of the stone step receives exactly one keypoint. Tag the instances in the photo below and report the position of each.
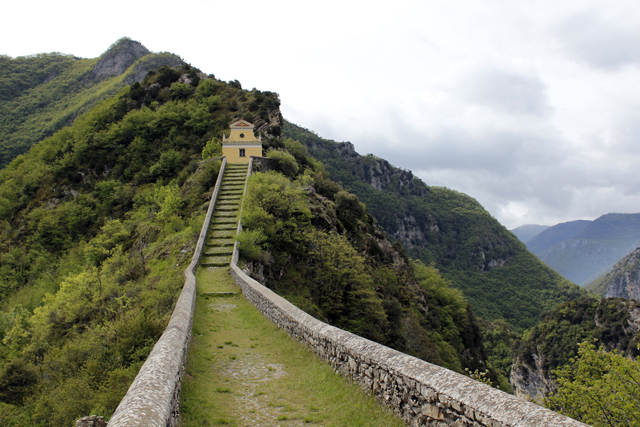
(214, 264)
(222, 233)
(221, 251)
(217, 258)
(224, 220)
(224, 214)
(219, 243)
(222, 227)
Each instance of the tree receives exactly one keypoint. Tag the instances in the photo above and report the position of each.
(599, 387)
(343, 288)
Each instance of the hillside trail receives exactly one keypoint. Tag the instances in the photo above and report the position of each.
(243, 371)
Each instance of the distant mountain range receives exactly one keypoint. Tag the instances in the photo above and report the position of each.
(526, 232)
(582, 251)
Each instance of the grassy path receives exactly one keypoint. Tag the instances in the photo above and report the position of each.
(243, 371)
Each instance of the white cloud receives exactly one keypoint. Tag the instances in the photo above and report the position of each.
(604, 39)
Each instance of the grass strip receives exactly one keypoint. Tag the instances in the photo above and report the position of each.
(243, 371)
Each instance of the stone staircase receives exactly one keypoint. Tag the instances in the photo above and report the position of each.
(224, 223)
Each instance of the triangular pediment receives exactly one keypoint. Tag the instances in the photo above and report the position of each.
(241, 124)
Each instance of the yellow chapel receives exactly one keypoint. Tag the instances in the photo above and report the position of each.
(241, 143)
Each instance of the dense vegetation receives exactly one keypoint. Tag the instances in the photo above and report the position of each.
(450, 231)
(317, 245)
(97, 224)
(554, 342)
(41, 94)
(598, 387)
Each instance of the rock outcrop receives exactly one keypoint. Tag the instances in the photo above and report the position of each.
(624, 279)
(118, 58)
(613, 322)
(151, 62)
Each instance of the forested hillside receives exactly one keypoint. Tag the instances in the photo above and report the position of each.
(552, 343)
(317, 245)
(97, 224)
(449, 230)
(40, 94)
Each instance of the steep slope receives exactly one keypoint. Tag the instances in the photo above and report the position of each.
(614, 322)
(316, 245)
(555, 234)
(623, 281)
(97, 223)
(40, 94)
(528, 231)
(500, 278)
(593, 251)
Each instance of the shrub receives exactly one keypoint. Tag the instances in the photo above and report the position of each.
(287, 164)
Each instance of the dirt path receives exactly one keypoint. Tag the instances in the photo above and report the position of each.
(243, 371)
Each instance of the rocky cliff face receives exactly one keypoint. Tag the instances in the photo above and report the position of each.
(613, 322)
(126, 52)
(118, 58)
(624, 279)
(530, 382)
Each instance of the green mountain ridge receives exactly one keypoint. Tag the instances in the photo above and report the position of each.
(40, 94)
(450, 230)
(98, 221)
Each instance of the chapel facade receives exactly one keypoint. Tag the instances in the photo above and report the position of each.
(241, 143)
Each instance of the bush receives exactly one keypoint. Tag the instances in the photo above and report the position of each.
(287, 164)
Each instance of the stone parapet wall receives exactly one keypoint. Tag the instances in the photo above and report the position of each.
(423, 394)
(153, 398)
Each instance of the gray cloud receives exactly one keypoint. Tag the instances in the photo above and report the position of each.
(598, 41)
(506, 92)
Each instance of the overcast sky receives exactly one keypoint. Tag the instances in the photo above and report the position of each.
(532, 108)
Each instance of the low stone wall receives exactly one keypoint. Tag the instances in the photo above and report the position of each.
(153, 397)
(421, 393)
